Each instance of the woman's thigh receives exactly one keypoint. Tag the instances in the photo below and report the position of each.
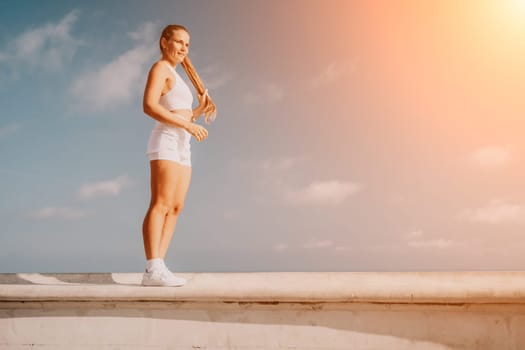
(169, 182)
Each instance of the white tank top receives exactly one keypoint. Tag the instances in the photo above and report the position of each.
(179, 97)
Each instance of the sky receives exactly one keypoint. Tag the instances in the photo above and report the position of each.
(358, 135)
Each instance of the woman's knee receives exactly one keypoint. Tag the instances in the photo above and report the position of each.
(177, 208)
(161, 207)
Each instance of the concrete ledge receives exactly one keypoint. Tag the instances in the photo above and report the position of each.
(348, 287)
(265, 311)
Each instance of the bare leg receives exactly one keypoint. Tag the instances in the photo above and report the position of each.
(181, 189)
(163, 182)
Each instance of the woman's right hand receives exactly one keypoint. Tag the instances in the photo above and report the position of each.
(198, 131)
(203, 100)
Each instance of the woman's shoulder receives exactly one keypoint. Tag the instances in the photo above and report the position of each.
(159, 67)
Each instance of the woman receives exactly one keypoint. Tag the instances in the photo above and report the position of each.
(168, 100)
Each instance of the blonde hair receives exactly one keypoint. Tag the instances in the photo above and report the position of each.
(210, 111)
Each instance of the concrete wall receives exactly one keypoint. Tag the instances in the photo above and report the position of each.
(265, 311)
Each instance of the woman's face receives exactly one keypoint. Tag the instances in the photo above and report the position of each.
(177, 47)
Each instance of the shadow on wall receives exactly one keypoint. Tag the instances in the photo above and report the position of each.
(329, 327)
(57, 278)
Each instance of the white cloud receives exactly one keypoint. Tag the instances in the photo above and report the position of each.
(116, 82)
(491, 156)
(147, 32)
(280, 164)
(371, 247)
(8, 129)
(270, 176)
(497, 211)
(49, 46)
(344, 248)
(381, 248)
(413, 234)
(274, 178)
(330, 73)
(323, 193)
(280, 247)
(103, 188)
(212, 78)
(217, 81)
(431, 243)
(270, 172)
(416, 239)
(271, 165)
(313, 243)
(333, 71)
(67, 213)
(267, 93)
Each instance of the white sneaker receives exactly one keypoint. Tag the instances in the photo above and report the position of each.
(162, 277)
(165, 268)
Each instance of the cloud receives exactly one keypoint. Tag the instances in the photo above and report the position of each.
(266, 93)
(416, 239)
(103, 188)
(279, 247)
(371, 247)
(381, 248)
(323, 193)
(497, 211)
(344, 248)
(330, 73)
(279, 164)
(333, 71)
(313, 243)
(491, 156)
(147, 33)
(212, 78)
(413, 234)
(116, 82)
(49, 47)
(431, 243)
(274, 176)
(270, 172)
(67, 213)
(8, 129)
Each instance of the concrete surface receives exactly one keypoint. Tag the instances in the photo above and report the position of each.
(297, 310)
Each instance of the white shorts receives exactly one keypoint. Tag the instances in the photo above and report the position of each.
(170, 143)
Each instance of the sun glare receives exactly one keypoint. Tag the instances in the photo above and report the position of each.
(515, 9)
(506, 17)
(519, 5)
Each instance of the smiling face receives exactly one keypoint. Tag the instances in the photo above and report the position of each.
(176, 46)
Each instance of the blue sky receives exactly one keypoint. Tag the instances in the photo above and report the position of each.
(347, 138)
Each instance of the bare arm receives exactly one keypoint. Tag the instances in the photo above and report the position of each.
(203, 100)
(150, 103)
(196, 113)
